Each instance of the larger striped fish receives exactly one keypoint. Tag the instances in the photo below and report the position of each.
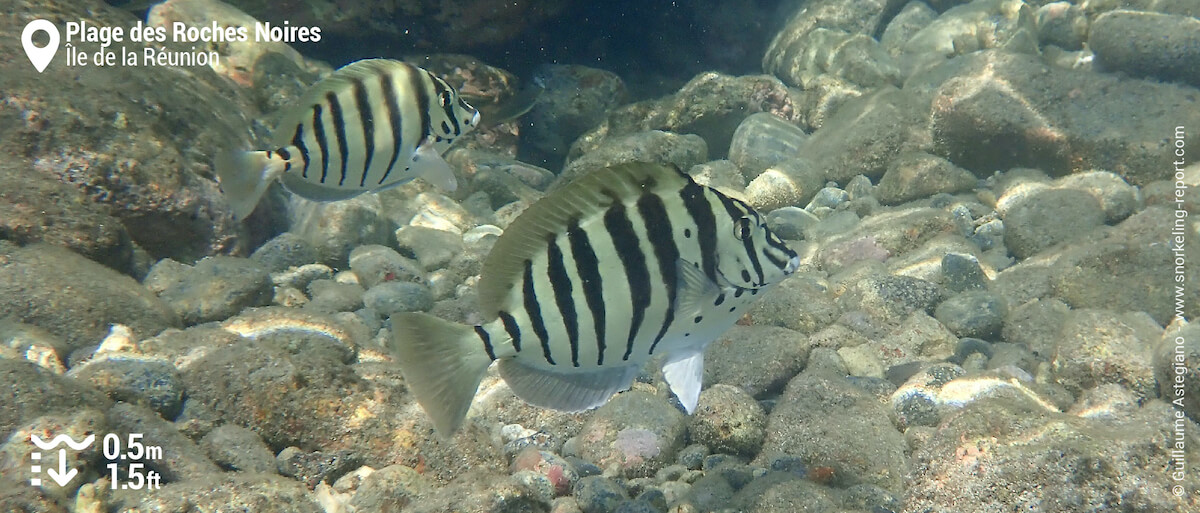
(587, 284)
(370, 125)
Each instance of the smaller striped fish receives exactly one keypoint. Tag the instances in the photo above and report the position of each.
(588, 284)
(371, 125)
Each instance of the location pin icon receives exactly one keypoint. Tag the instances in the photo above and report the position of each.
(40, 57)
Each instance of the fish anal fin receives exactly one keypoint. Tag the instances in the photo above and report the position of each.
(566, 391)
(684, 372)
(584, 198)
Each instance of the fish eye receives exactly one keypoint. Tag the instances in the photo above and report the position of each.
(742, 229)
(445, 99)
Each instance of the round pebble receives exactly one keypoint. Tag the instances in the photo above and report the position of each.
(729, 420)
(978, 314)
(963, 272)
(398, 296)
(284, 251)
(598, 494)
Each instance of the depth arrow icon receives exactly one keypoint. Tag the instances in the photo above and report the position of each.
(62, 476)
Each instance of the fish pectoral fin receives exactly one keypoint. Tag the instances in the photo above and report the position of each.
(566, 391)
(429, 164)
(684, 372)
(695, 291)
(245, 176)
(442, 363)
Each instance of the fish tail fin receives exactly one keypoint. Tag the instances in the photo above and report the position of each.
(442, 363)
(245, 176)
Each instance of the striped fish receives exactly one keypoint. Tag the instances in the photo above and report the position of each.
(588, 284)
(370, 125)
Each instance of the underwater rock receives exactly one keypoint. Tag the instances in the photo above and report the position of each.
(1097, 347)
(781, 492)
(633, 435)
(390, 488)
(987, 452)
(556, 471)
(131, 140)
(890, 298)
(817, 404)
(916, 401)
(977, 313)
(718, 174)
(284, 251)
(918, 175)
(682, 151)
(44, 209)
(331, 296)
(801, 303)
(432, 248)
(1062, 24)
(728, 420)
(1036, 219)
(848, 16)
(866, 134)
(1117, 198)
(75, 298)
(244, 491)
(825, 95)
(234, 447)
(856, 58)
(915, 16)
(20, 341)
(375, 264)
(152, 382)
(1098, 273)
(1145, 44)
(962, 272)
(711, 105)
(999, 110)
(181, 459)
(790, 183)
(757, 359)
(598, 494)
(790, 223)
(763, 140)
(574, 99)
(316, 467)
(398, 296)
(335, 228)
(1009, 25)
(214, 289)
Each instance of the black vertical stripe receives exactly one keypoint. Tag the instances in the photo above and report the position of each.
(534, 311)
(560, 283)
(513, 329)
(588, 267)
(625, 241)
(339, 128)
(422, 96)
(448, 107)
(298, 142)
(363, 102)
(662, 239)
(322, 144)
(706, 226)
(737, 210)
(394, 119)
(487, 341)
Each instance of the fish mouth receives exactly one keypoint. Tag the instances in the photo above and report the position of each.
(792, 265)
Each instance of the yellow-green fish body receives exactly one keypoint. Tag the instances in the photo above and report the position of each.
(588, 284)
(370, 125)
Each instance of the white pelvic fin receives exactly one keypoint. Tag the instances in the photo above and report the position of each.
(695, 291)
(429, 164)
(245, 176)
(442, 362)
(684, 372)
(566, 391)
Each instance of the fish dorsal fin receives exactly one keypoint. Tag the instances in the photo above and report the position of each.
(589, 195)
(339, 80)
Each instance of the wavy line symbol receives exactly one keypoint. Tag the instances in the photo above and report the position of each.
(62, 439)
